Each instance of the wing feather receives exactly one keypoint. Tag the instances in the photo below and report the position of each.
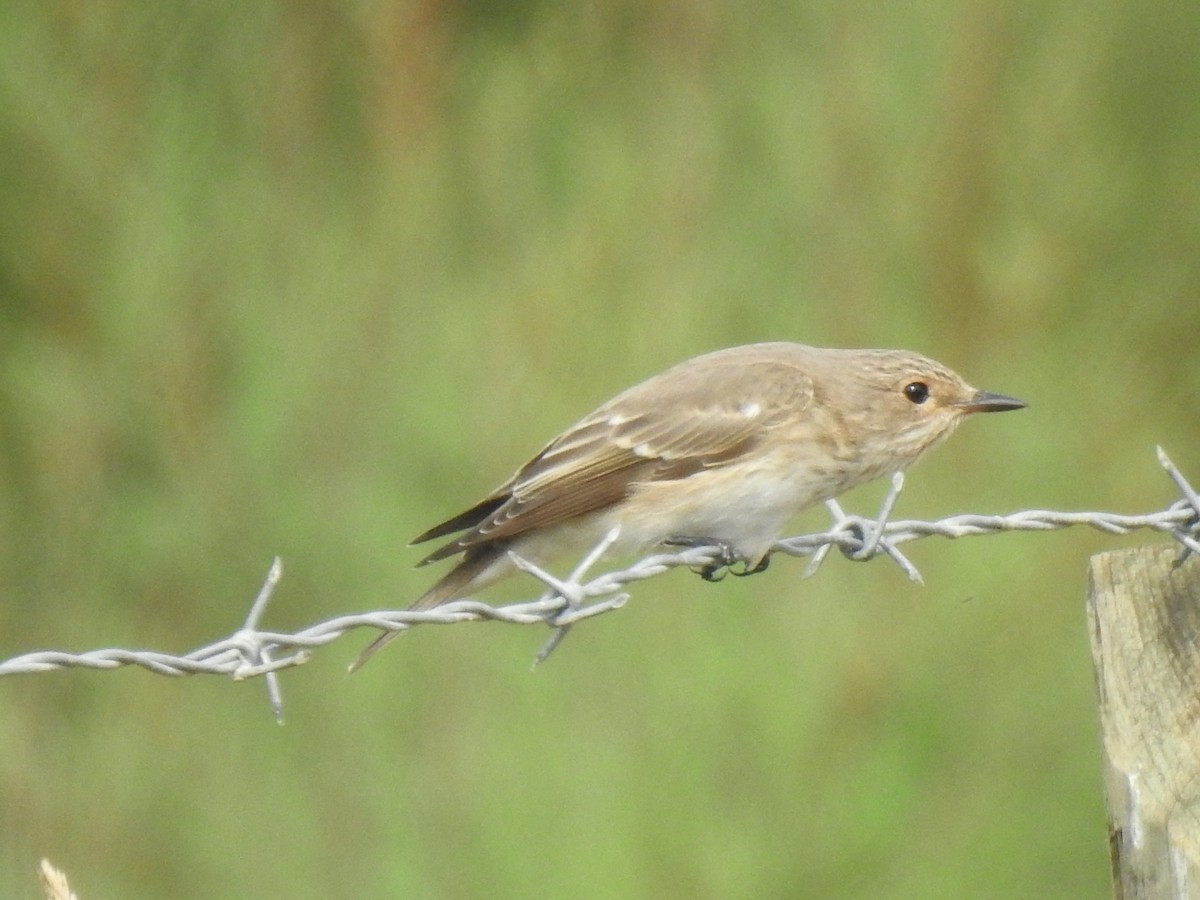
(669, 427)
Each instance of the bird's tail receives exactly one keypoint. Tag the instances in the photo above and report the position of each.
(449, 587)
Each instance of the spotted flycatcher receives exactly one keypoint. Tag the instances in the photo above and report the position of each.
(721, 450)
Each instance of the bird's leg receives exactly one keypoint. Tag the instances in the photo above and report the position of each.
(725, 559)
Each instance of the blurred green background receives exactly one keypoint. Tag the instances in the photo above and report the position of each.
(305, 278)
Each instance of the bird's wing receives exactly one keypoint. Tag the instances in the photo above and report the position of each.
(663, 429)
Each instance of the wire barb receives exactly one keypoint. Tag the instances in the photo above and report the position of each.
(569, 591)
(256, 654)
(250, 652)
(859, 539)
(1186, 533)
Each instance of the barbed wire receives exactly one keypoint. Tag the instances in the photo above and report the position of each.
(250, 652)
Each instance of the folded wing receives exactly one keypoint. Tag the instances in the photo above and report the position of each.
(667, 428)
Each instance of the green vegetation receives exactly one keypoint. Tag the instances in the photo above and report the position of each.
(304, 278)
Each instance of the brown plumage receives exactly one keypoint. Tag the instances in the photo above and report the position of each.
(725, 447)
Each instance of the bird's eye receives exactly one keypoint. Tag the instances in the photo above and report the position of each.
(917, 391)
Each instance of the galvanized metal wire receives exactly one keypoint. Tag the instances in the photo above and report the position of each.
(250, 651)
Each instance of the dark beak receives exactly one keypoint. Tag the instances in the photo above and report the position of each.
(983, 401)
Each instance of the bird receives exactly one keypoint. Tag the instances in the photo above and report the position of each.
(721, 450)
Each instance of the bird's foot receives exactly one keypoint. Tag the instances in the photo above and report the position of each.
(747, 569)
(724, 563)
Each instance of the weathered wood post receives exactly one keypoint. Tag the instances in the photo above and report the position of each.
(1145, 629)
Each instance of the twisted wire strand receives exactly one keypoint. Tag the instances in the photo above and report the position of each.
(250, 652)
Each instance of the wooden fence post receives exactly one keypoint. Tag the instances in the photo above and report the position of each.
(1144, 614)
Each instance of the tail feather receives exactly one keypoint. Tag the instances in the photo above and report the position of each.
(449, 587)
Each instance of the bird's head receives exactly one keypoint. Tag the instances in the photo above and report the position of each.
(903, 404)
